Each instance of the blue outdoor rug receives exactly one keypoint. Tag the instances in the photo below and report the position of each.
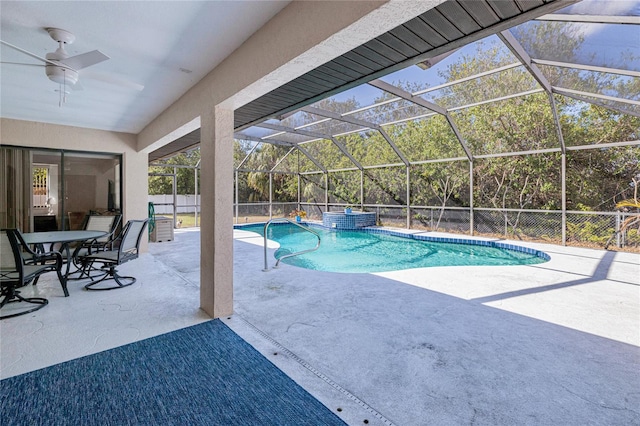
(200, 375)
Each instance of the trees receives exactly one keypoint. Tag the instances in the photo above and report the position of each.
(631, 204)
(253, 184)
(185, 177)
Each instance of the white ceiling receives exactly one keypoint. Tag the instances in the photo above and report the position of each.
(150, 43)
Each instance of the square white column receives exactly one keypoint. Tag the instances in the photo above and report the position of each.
(216, 228)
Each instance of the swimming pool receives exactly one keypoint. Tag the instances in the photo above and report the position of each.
(376, 250)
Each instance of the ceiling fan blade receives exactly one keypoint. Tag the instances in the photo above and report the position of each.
(26, 52)
(22, 63)
(111, 78)
(85, 60)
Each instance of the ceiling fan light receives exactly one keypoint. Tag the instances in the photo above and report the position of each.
(61, 75)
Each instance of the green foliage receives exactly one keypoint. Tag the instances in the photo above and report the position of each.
(185, 177)
(598, 178)
(631, 205)
(592, 231)
(344, 187)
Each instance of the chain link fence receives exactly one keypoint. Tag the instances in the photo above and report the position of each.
(583, 229)
(599, 229)
(523, 225)
(438, 219)
(252, 212)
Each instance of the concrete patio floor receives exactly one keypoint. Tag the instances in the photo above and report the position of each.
(554, 343)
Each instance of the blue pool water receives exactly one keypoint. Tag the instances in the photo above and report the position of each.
(360, 251)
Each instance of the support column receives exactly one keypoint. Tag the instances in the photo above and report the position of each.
(216, 230)
(195, 195)
(299, 192)
(270, 195)
(361, 189)
(237, 195)
(408, 198)
(326, 191)
(471, 213)
(175, 198)
(563, 173)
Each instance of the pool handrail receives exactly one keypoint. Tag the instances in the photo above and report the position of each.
(284, 219)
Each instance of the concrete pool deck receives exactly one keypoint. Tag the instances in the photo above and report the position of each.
(554, 343)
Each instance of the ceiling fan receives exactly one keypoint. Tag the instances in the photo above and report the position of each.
(64, 69)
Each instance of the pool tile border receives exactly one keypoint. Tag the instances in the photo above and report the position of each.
(419, 235)
(486, 243)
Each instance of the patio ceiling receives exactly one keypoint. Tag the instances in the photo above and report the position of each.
(157, 50)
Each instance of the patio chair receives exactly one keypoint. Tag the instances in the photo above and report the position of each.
(15, 272)
(108, 224)
(40, 257)
(128, 248)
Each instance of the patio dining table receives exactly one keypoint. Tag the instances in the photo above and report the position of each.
(62, 237)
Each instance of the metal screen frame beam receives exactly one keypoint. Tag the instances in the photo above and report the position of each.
(312, 134)
(282, 159)
(516, 48)
(583, 96)
(286, 143)
(590, 19)
(312, 159)
(379, 84)
(251, 151)
(469, 78)
(563, 90)
(618, 71)
(357, 122)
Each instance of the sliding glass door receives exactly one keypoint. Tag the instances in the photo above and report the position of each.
(43, 190)
(91, 184)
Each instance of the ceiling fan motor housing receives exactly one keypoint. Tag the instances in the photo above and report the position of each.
(59, 73)
(61, 36)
